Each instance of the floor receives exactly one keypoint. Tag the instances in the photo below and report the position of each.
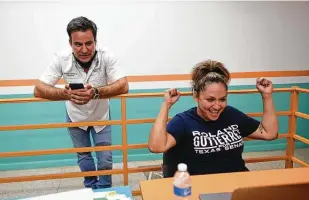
(36, 188)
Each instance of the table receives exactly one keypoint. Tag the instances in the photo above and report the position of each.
(119, 189)
(84, 194)
(225, 182)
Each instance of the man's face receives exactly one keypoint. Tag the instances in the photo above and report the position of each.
(83, 45)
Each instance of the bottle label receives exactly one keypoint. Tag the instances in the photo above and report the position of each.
(182, 192)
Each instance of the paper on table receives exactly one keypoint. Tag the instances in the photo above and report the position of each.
(109, 195)
(84, 194)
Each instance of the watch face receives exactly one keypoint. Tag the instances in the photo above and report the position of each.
(96, 93)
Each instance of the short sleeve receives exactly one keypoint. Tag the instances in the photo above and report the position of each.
(113, 70)
(176, 128)
(248, 125)
(53, 72)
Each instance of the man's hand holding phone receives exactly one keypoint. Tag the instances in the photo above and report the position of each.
(80, 94)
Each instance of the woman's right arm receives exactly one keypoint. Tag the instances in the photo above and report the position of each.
(159, 140)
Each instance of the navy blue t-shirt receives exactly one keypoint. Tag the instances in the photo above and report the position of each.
(208, 147)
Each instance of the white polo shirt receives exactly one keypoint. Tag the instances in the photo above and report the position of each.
(103, 70)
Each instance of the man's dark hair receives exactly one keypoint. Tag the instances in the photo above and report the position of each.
(82, 24)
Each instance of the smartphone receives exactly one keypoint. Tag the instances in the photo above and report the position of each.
(76, 86)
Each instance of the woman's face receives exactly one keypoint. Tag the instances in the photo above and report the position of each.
(212, 101)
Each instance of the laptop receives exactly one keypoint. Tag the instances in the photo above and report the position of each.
(280, 192)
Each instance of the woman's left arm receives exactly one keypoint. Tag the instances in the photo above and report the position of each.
(268, 129)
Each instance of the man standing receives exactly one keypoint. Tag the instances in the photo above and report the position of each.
(97, 72)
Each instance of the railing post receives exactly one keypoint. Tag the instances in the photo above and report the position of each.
(124, 140)
(290, 146)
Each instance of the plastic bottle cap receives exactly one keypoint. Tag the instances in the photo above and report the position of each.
(182, 167)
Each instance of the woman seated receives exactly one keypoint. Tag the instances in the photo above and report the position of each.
(209, 137)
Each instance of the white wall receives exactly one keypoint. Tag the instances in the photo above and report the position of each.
(159, 37)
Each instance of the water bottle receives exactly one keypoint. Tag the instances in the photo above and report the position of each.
(182, 183)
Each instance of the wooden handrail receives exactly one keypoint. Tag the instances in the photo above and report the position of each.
(301, 139)
(292, 128)
(87, 149)
(141, 95)
(107, 122)
(302, 115)
(173, 77)
(59, 125)
(291, 136)
(265, 159)
(124, 140)
(300, 162)
(282, 135)
(114, 171)
(78, 174)
(59, 176)
(302, 90)
(59, 151)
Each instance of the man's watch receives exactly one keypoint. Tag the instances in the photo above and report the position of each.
(96, 93)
